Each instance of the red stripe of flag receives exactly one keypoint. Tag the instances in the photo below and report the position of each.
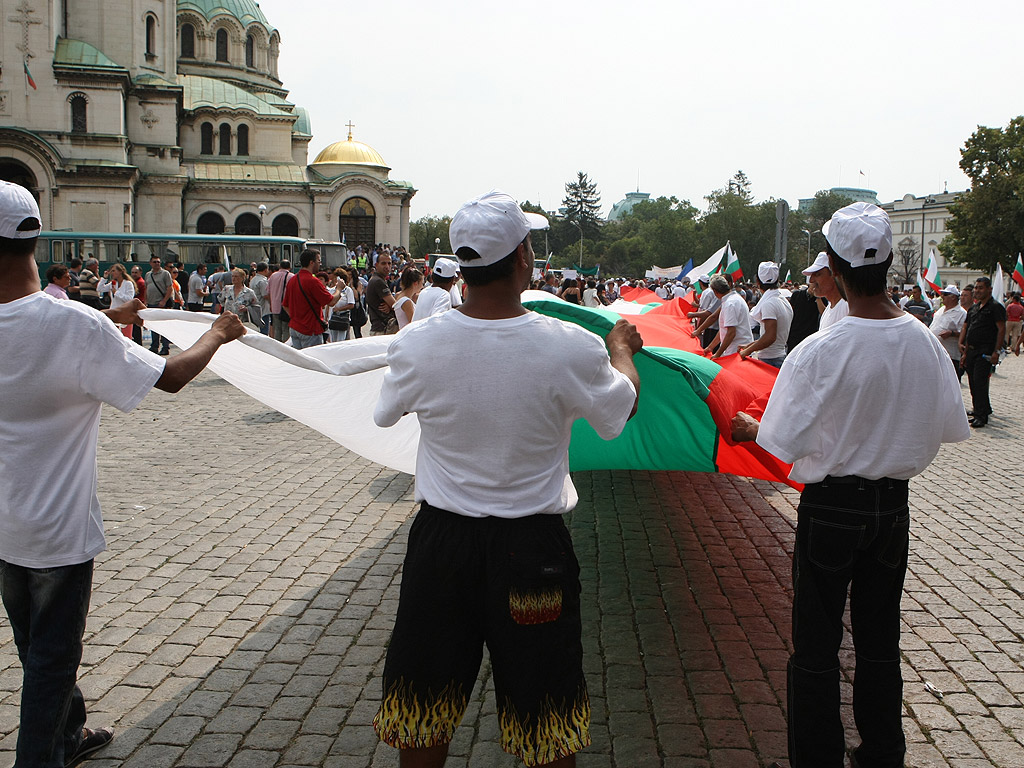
(28, 75)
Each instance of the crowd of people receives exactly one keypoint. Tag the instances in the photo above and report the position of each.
(491, 563)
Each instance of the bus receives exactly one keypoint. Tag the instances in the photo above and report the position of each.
(59, 247)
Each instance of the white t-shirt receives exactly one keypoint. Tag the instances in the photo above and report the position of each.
(833, 314)
(772, 306)
(678, 292)
(398, 309)
(432, 301)
(949, 320)
(590, 298)
(709, 302)
(61, 361)
(735, 314)
(495, 443)
(872, 398)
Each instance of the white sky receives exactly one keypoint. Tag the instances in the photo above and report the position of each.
(461, 96)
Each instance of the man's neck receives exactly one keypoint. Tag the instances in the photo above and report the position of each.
(875, 307)
(495, 301)
(18, 278)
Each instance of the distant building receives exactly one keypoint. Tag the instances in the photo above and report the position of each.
(919, 224)
(856, 194)
(623, 207)
(171, 117)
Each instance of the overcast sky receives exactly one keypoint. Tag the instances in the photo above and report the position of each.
(462, 97)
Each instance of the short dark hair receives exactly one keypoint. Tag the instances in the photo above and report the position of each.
(55, 272)
(983, 279)
(285, 264)
(13, 246)
(75, 263)
(499, 270)
(860, 281)
(410, 277)
(307, 257)
(261, 266)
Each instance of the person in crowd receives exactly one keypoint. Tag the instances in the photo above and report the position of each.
(707, 327)
(88, 280)
(61, 362)
(339, 322)
(830, 414)
(570, 291)
(58, 278)
(75, 275)
(819, 276)
(276, 285)
(121, 288)
(492, 563)
(437, 298)
(380, 299)
(304, 299)
(733, 320)
(158, 295)
(775, 316)
(947, 322)
(197, 290)
(550, 283)
(239, 299)
(405, 301)
(807, 309)
(177, 300)
(590, 294)
(1014, 315)
(981, 341)
(140, 291)
(260, 284)
(215, 284)
(919, 306)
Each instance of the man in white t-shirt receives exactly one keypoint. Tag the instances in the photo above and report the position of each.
(61, 360)
(489, 558)
(733, 320)
(819, 276)
(947, 323)
(707, 313)
(438, 297)
(775, 314)
(831, 414)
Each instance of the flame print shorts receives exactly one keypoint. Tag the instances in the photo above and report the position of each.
(512, 585)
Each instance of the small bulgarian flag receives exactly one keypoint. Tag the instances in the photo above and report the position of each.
(28, 75)
(732, 265)
(931, 273)
(1018, 273)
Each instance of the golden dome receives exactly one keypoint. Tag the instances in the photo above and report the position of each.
(350, 152)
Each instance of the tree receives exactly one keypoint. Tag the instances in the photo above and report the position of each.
(582, 204)
(423, 233)
(988, 220)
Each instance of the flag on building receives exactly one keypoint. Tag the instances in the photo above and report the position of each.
(28, 75)
(1018, 273)
(931, 273)
(732, 265)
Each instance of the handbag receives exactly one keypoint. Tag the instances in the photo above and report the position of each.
(339, 321)
(358, 313)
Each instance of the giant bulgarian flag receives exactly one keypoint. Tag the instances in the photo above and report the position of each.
(682, 422)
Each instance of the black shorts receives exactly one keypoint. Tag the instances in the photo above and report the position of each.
(512, 584)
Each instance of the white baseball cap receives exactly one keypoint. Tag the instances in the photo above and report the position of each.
(951, 289)
(492, 225)
(820, 262)
(446, 268)
(768, 272)
(860, 233)
(16, 205)
(704, 279)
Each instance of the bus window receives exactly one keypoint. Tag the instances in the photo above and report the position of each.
(58, 250)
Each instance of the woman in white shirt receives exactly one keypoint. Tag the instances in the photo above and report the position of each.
(340, 317)
(405, 301)
(115, 281)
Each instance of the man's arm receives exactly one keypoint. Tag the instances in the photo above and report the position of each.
(126, 314)
(709, 320)
(1000, 335)
(769, 332)
(744, 427)
(624, 341)
(182, 368)
(730, 334)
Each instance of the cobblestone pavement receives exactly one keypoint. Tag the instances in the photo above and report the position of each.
(242, 611)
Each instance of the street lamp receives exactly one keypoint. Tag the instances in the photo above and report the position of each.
(263, 211)
(437, 245)
(927, 201)
(807, 232)
(580, 228)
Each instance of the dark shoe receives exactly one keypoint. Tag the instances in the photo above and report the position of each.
(976, 422)
(92, 741)
(970, 413)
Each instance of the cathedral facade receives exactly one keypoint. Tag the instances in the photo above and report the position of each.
(170, 117)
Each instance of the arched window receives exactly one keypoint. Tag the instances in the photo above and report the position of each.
(357, 221)
(225, 139)
(222, 45)
(247, 224)
(206, 135)
(150, 36)
(210, 223)
(250, 51)
(188, 41)
(79, 122)
(243, 140)
(285, 225)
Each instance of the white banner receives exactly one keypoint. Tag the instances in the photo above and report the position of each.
(670, 273)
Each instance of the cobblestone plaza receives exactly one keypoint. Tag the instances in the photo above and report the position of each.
(241, 613)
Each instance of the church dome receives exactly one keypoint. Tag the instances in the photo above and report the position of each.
(350, 152)
(246, 11)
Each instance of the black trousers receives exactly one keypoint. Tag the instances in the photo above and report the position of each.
(979, 371)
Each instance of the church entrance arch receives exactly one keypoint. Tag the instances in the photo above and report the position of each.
(284, 225)
(357, 222)
(247, 224)
(16, 173)
(210, 223)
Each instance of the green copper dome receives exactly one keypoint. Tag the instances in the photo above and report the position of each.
(246, 11)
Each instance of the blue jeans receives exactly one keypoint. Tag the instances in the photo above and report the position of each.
(851, 533)
(47, 609)
(265, 324)
(302, 341)
(774, 362)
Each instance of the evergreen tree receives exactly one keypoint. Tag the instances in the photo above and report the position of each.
(582, 204)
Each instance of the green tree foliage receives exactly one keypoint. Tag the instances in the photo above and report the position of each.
(661, 232)
(422, 234)
(582, 204)
(988, 220)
